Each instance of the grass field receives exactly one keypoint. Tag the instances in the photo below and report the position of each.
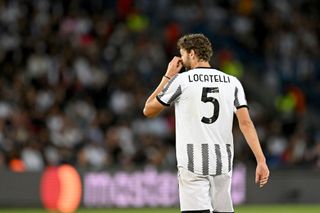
(238, 209)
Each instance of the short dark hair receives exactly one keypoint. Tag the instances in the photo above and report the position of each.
(197, 42)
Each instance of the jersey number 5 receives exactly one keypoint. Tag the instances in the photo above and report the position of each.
(205, 99)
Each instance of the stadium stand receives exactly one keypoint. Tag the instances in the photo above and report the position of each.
(75, 75)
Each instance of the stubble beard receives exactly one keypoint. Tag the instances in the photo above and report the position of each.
(187, 65)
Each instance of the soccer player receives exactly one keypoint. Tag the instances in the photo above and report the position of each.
(205, 101)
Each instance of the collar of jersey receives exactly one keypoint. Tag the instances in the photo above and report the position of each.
(203, 68)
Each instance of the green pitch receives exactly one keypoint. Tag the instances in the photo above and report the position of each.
(238, 209)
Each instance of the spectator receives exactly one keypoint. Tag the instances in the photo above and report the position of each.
(74, 76)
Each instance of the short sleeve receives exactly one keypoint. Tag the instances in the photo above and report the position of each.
(239, 96)
(171, 92)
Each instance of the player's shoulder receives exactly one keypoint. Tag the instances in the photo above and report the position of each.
(181, 76)
(223, 73)
(232, 78)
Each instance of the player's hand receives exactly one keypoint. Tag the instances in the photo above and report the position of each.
(174, 67)
(262, 174)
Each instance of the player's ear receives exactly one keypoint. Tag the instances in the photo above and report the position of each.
(192, 54)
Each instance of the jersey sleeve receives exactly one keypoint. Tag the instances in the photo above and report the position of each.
(171, 92)
(239, 96)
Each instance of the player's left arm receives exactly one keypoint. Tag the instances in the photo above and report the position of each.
(247, 128)
(153, 106)
(249, 131)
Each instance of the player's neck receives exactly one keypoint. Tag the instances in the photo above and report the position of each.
(201, 64)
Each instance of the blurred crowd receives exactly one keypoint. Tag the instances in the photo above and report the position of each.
(75, 75)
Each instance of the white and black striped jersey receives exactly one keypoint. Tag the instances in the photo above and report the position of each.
(205, 100)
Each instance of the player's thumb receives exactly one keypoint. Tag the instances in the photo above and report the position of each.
(258, 176)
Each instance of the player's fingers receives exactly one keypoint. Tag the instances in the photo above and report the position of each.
(173, 61)
(257, 178)
(263, 181)
(176, 62)
(260, 178)
(176, 59)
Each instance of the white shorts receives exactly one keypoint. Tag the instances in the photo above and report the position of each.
(203, 192)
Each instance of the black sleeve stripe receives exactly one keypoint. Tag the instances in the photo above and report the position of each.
(236, 99)
(161, 102)
(238, 107)
(165, 89)
(176, 94)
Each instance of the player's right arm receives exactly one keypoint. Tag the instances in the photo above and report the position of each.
(248, 130)
(153, 106)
